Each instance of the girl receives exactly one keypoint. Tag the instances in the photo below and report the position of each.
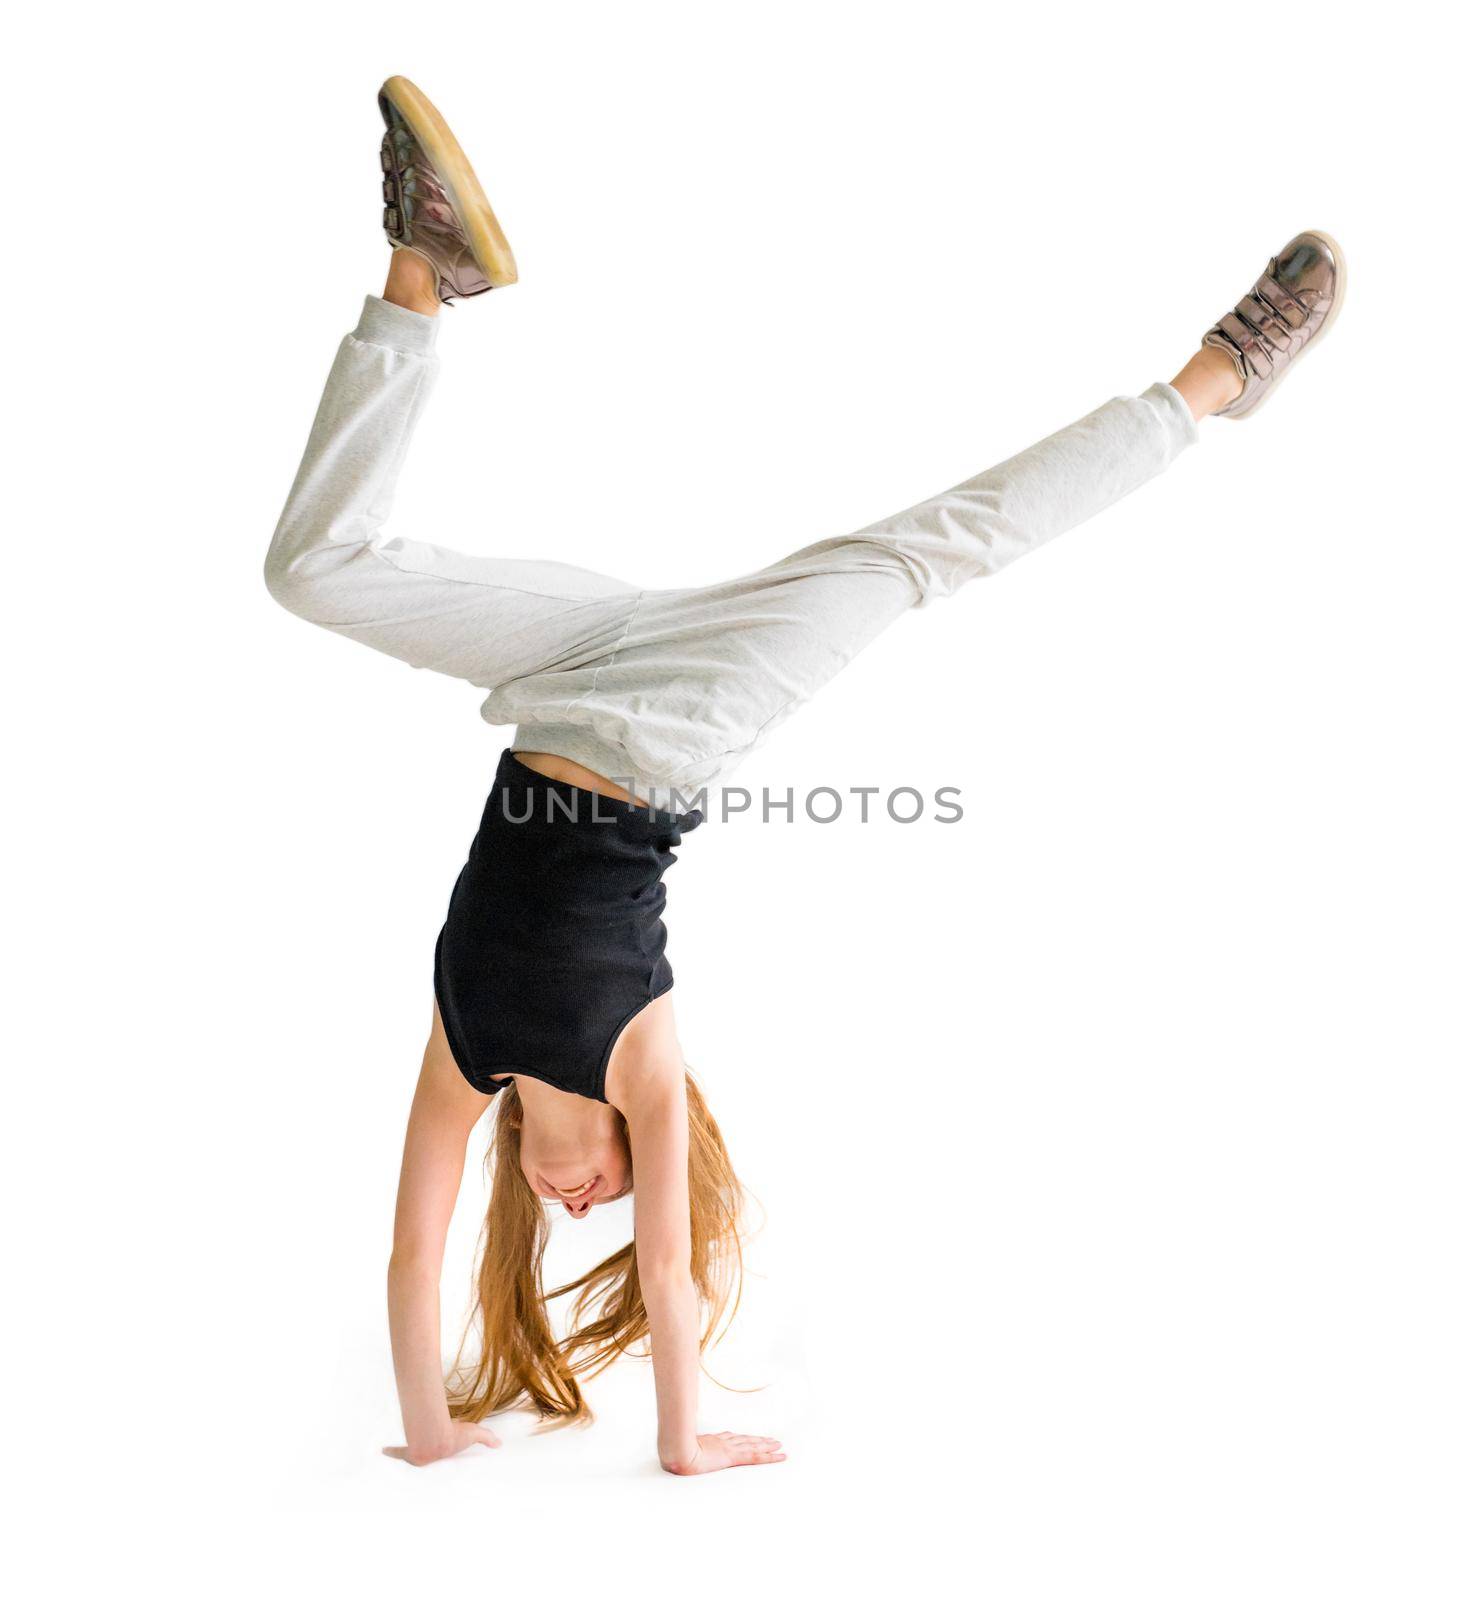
(551, 979)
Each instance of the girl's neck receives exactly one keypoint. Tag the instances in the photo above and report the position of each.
(558, 1116)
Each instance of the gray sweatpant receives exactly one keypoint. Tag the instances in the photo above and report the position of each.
(660, 690)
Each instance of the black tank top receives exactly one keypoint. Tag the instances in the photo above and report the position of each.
(554, 939)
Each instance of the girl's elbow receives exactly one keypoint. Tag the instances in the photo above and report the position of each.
(666, 1274)
(411, 1265)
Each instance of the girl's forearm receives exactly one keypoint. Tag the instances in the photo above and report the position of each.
(673, 1323)
(414, 1298)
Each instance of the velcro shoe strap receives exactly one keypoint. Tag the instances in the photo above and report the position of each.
(1254, 310)
(1248, 342)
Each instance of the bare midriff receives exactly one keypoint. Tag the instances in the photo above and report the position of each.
(565, 771)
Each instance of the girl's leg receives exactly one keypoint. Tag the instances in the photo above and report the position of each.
(983, 525)
(704, 675)
(487, 620)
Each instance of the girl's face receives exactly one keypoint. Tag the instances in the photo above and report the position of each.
(581, 1178)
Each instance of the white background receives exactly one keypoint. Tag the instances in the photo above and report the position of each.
(1105, 1139)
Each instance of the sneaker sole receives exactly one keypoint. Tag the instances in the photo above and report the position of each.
(483, 232)
(1322, 331)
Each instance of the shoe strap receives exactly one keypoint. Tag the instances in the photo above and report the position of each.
(1269, 325)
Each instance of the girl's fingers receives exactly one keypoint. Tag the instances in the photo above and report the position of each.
(750, 1450)
(486, 1437)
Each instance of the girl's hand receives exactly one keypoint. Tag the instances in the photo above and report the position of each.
(460, 1436)
(719, 1450)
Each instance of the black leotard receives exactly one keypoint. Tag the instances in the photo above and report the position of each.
(554, 939)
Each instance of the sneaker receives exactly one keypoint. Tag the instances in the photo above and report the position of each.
(434, 203)
(1294, 301)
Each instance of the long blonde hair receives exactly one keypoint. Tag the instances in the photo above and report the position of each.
(521, 1364)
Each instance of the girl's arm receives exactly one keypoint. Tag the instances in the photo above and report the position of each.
(444, 1111)
(649, 1090)
(656, 1110)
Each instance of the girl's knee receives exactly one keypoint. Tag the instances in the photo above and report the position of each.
(296, 586)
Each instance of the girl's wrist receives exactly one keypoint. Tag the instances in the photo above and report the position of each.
(432, 1428)
(676, 1454)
